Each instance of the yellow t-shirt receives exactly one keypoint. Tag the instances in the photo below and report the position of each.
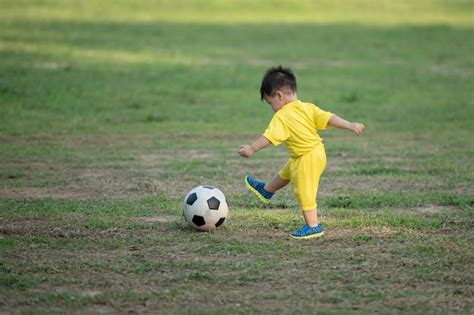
(297, 124)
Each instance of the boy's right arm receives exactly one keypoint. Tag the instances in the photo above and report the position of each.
(247, 150)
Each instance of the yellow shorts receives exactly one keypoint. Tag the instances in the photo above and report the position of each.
(304, 172)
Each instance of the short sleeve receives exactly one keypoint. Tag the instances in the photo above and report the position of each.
(276, 132)
(321, 118)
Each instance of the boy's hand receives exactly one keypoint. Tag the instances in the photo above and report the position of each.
(246, 150)
(357, 128)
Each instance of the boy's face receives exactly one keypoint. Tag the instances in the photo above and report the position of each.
(274, 101)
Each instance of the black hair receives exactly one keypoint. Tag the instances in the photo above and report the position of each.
(277, 78)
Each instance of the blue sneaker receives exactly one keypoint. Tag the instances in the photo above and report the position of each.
(307, 232)
(257, 187)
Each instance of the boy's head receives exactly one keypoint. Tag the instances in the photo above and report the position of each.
(277, 79)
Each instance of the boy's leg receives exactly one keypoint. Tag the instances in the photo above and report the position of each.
(265, 191)
(308, 170)
(311, 217)
(275, 184)
(257, 187)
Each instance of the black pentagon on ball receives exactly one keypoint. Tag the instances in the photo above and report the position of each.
(221, 220)
(198, 220)
(191, 199)
(213, 203)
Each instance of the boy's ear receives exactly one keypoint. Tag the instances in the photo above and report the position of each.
(279, 94)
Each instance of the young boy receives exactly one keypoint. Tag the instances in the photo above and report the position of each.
(295, 123)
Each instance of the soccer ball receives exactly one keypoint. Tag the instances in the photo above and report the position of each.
(205, 208)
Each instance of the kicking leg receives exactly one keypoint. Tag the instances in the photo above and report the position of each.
(257, 187)
(275, 184)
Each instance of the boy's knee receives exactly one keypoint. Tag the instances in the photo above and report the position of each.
(309, 207)
(306, 202)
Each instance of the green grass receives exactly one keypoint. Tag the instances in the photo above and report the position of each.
(111, 112)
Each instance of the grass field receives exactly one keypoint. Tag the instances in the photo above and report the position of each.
(111, 111)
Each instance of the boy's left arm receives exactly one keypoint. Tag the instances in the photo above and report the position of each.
(339, 122)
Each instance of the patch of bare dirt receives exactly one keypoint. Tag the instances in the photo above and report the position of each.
(434, 208)
(63, 177)
(156, 219)
(42, 229)
(81, 184)
(62, 227)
